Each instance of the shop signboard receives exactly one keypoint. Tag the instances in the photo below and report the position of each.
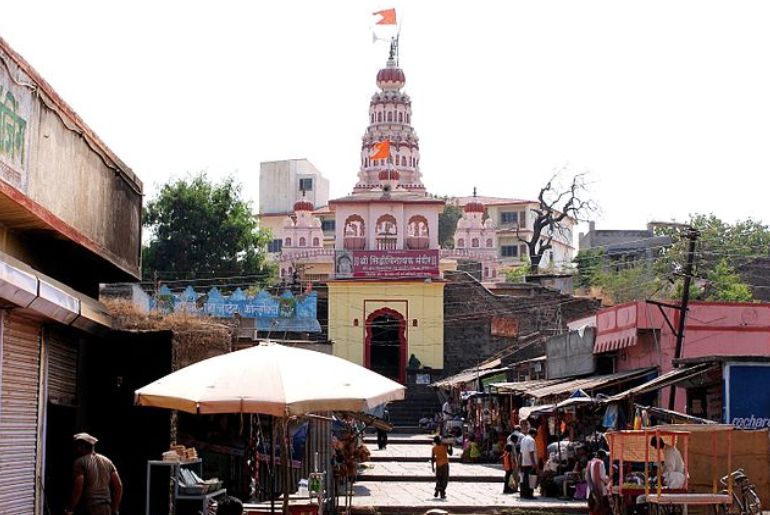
(386, 263)
(16, 102)
(490, 380)
(286, 312)
(743, 407)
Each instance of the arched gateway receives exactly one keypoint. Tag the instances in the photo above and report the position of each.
(385, 345)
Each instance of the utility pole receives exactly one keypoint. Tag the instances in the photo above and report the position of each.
(692, 235)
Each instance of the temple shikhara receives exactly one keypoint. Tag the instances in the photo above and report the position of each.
(377, 249)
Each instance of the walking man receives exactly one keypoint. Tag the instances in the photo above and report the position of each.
(528, 464)
(96, 488)
(439, 463)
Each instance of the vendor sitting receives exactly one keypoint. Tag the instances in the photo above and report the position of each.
(673, 464)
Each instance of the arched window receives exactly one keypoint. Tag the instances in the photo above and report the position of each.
(379, 117)
(354, 233)
(408, 117)
(390, 116)
(302, 241)
(461, 243)
(400, 117)
(475, 243)
(417, 235)
(283, 272)
(486, 272)
(316, 242)
(489, 242)
(287, 243)
(386, 232)
(371, 118)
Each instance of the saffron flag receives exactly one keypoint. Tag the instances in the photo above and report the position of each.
(388, 17)
(381, 150)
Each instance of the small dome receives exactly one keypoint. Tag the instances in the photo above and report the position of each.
(474, 206)
(391, 78)
(386, 175)
(303, 204)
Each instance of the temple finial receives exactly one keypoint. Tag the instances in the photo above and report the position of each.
(474, 192)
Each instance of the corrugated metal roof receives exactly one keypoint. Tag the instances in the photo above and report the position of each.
(523, 386)
(471, 374)
(587, 383)
(670, 377)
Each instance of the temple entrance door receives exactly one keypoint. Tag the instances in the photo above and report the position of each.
(385, 351)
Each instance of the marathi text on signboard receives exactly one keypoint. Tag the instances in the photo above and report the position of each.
(15, 111)
(387, 263)
(270, 313)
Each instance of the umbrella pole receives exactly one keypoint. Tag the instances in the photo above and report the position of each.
(272, 466)
(286, 468)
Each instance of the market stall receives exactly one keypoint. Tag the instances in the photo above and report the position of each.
(651, 466)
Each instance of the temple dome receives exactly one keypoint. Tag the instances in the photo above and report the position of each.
(391, 78)
(303, 204)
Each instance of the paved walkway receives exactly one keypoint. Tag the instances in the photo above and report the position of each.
(417, 497)
(404, 452)
(420, 471)
(399, 480)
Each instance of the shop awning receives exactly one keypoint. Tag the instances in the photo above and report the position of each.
(470, 375)
(615, 340)
(522, 387)
(671, 377)
(587, 383)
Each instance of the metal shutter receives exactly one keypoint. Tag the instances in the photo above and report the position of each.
(62, 369)
(20, 362)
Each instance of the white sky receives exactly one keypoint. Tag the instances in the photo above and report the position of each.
(665, 103)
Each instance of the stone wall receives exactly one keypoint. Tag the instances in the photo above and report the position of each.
(479, 324)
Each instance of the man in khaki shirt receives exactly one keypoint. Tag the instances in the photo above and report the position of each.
(96, 489)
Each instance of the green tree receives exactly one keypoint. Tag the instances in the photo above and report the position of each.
(589, 263)
(627, 283)
(724, 285)
(721, 249)
(447, 224)
(203, 229)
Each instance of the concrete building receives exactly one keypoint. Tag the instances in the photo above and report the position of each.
(70, 219)
(282, 183)
(514, 218)
(623, 244)
(636, 335)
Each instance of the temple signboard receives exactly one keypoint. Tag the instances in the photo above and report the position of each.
(15, 114)
(386, 263)
(286, 312)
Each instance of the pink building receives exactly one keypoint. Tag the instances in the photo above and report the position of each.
(640, 337)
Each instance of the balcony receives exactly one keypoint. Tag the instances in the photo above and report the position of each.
(355, 242)
(386, 243)
(417, 242)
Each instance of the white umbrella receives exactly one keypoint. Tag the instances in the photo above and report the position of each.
(271, 379)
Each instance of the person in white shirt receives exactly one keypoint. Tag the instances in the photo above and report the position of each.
(446, 416)
(673, 464)
(596, 477)
(528, 463)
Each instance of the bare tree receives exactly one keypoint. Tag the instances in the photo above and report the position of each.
(556, 205)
